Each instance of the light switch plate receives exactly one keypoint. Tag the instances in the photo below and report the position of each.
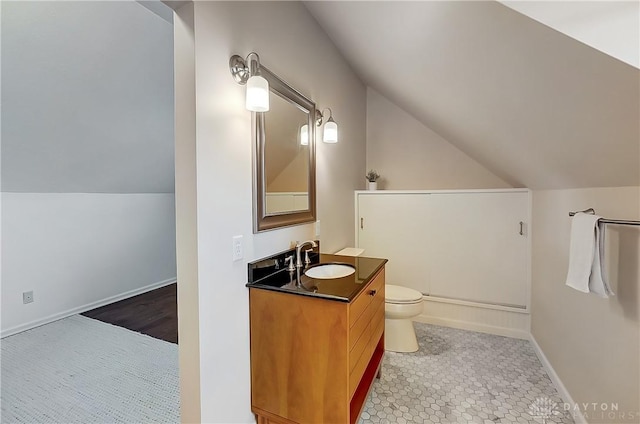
(237, 248)
(318, 228)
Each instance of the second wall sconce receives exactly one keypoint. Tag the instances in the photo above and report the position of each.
(329, 131)
(247, 71)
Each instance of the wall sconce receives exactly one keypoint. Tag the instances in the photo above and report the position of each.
(247, 71)
(330, 129)
(329, 132)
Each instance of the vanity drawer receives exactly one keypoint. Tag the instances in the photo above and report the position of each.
(366, 331)
(373, 291)
(361, 354)
(357, 332)
(378, 298)
(377, 326)
(371, 322)
(357, 329)
(361, 346)
(358, 368)
(358, 306)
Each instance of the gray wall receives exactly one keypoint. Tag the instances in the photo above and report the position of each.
(411, 156)
(87, 156)
(591, 343)
(87, 98)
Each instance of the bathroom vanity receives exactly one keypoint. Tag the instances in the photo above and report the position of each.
(316, 344)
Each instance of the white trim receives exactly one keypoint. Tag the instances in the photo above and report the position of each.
(491, 190)
(528, 235)
(474, 326)
(555, 379)
(60, 315)
(356, 218)
(519, 310)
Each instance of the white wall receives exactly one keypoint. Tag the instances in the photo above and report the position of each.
(591, 343)
(290, 44)
(87, 114)
(75, 251)
(411, 156)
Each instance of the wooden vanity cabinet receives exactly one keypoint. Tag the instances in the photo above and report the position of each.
(313, 360)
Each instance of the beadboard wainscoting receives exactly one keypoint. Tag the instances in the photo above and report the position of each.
(492, 319)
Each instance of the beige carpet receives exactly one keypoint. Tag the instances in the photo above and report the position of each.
(79, 370)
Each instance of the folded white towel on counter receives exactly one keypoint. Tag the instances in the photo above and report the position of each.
(586, 256)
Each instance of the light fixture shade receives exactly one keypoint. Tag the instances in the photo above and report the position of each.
(304, 135)
(257, 94)
(330, 131)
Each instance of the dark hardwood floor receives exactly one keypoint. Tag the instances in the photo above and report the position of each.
(154, 313)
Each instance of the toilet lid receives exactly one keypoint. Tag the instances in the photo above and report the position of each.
(399, 294)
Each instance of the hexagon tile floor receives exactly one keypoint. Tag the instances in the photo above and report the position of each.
(461, 376)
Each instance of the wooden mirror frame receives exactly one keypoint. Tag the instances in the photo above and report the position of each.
(262, 221)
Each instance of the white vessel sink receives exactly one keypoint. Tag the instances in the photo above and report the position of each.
(328, 271)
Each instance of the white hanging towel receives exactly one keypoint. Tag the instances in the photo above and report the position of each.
(586, 256)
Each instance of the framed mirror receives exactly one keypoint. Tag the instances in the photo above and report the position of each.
(284, 158)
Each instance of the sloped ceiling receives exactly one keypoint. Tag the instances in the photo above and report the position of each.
(537, 108)
(613, 27)
(87, 98)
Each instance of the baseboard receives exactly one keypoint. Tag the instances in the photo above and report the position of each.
(555, 379)
(84, 308)
(474, 326)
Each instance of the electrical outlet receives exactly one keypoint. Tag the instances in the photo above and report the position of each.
(27, 297)
(318, 228)
(237, 248)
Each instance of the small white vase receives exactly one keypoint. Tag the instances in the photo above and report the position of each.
(373, 185)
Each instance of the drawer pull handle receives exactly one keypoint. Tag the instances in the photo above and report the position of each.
(373, 292)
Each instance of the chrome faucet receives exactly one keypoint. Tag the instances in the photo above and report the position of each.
(299, 247)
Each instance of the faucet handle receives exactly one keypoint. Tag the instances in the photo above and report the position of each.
(289, 259)
(307, 261)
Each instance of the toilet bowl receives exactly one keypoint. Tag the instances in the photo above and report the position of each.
(401, 305)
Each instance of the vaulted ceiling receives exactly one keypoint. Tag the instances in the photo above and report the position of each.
(533, 105)
(87, 98)
(536, 107)
(611, 26)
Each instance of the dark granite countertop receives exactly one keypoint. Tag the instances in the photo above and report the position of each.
(268, 274)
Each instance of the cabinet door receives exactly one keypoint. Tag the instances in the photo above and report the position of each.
(394, 226)
(476, 248)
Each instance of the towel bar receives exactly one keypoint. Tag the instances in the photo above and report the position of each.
(607, 221)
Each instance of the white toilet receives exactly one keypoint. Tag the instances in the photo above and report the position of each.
(401, 305)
